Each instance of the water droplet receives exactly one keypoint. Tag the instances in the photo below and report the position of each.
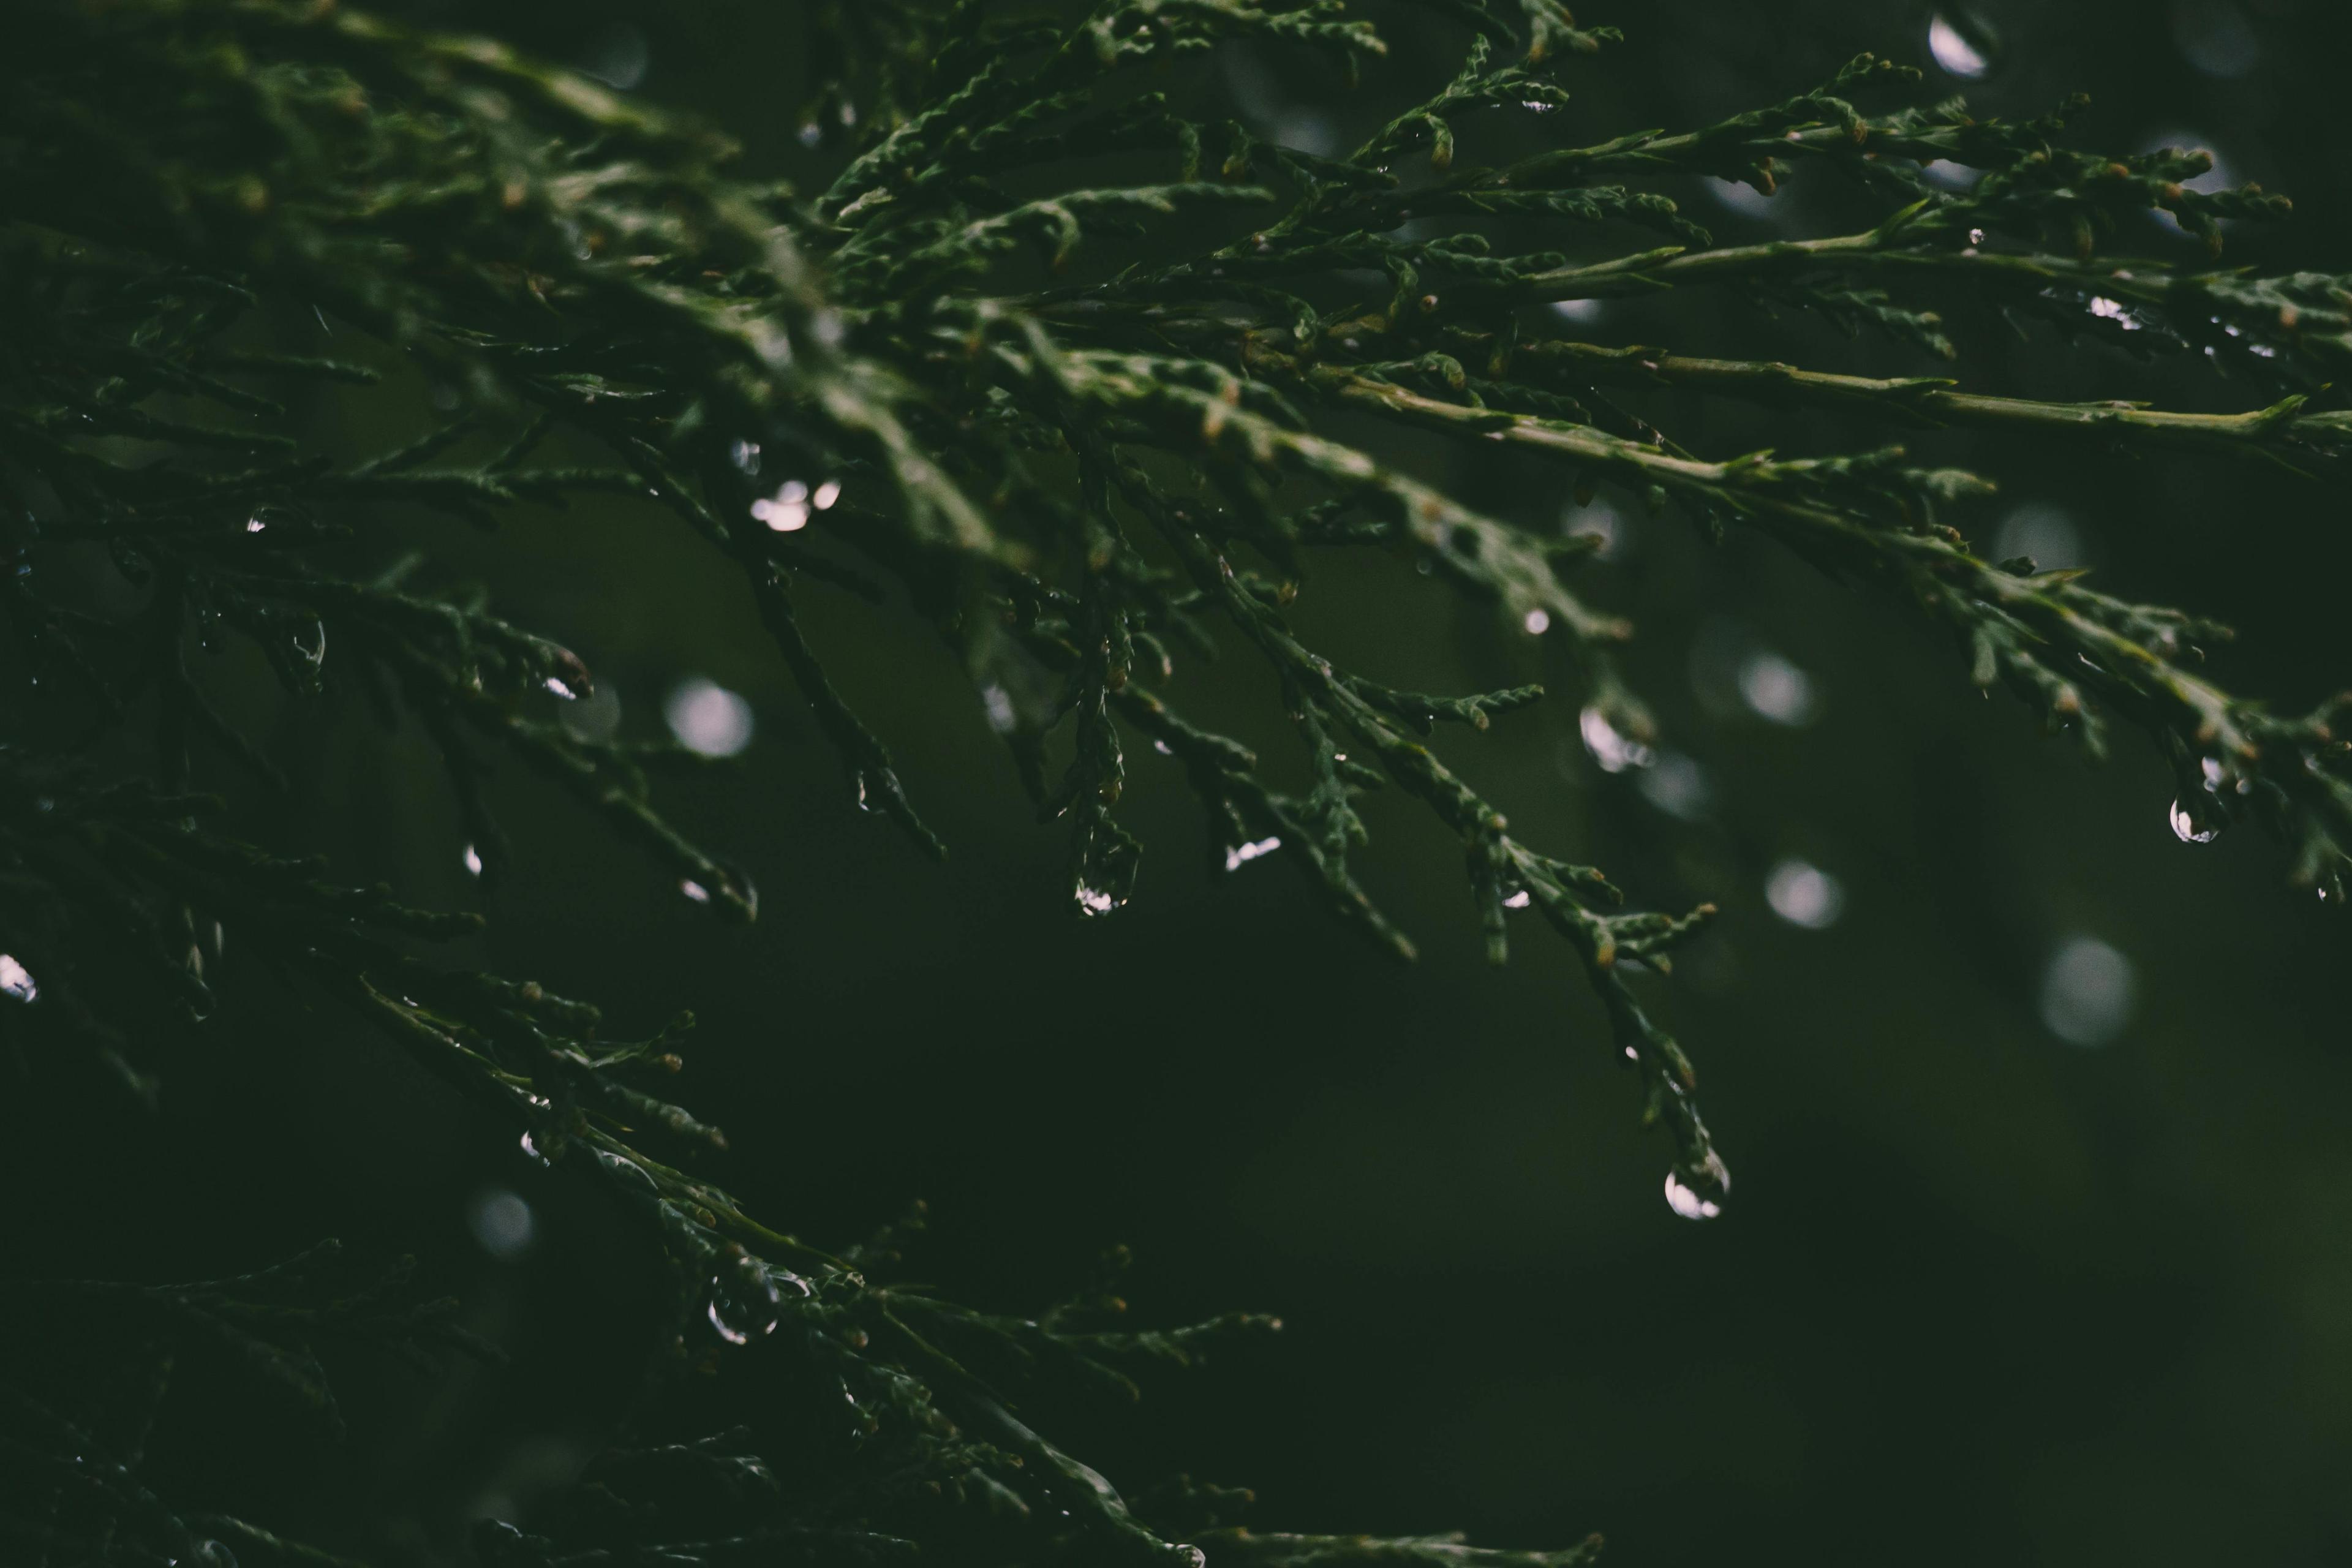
(1242, 855)
(707, 719)
(745, 454)
(1538, 622)
(1615, 752)
(2088, 992)
(1697, 1192)
(1963, 45)
(1094, 902)
(744, 1298)
(998, 703)
(695, 890)
(781, 514)
(315, 657)
(556, 685)
(254, 524)
(825, 495)
(1976, 237)
(473, 860)
(1776, 690)
(15, 981)
(501, 1223)
(1519, 899)
(2185, 827)
(1677, 786)
(530, 1148)
(1804, 895)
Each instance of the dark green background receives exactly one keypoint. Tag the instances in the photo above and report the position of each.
(1980, 1296)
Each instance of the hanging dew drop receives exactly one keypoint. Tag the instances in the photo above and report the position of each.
(1964, 44)
(1685, 1201)
(731, 1335)
(1698, 1194)
(744, 1299)
(2185, 827)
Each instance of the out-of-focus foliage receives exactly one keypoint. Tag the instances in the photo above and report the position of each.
(1067, 362)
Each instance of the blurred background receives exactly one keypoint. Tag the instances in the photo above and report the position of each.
(2040, 1246)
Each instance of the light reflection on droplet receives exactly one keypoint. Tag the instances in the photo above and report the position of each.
(557, 685)
(1700, 1196)
(1519, 899)
(1615, 752)
(1954, 52)
(1538, 622)
(1582, 313)
(14, 981)
(2185, 828)
(1242, 854)
(1095, 901)
(695, 891)
(1776, 689)
(707, 719)
(731, 1335)
(473, 861)
(1804, 895)
(2088, 992)
(745, 454)
(825, 495)
(501, 1222)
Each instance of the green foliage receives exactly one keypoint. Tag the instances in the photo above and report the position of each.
(1080, 426)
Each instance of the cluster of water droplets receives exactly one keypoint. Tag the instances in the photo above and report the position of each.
(788, 510)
